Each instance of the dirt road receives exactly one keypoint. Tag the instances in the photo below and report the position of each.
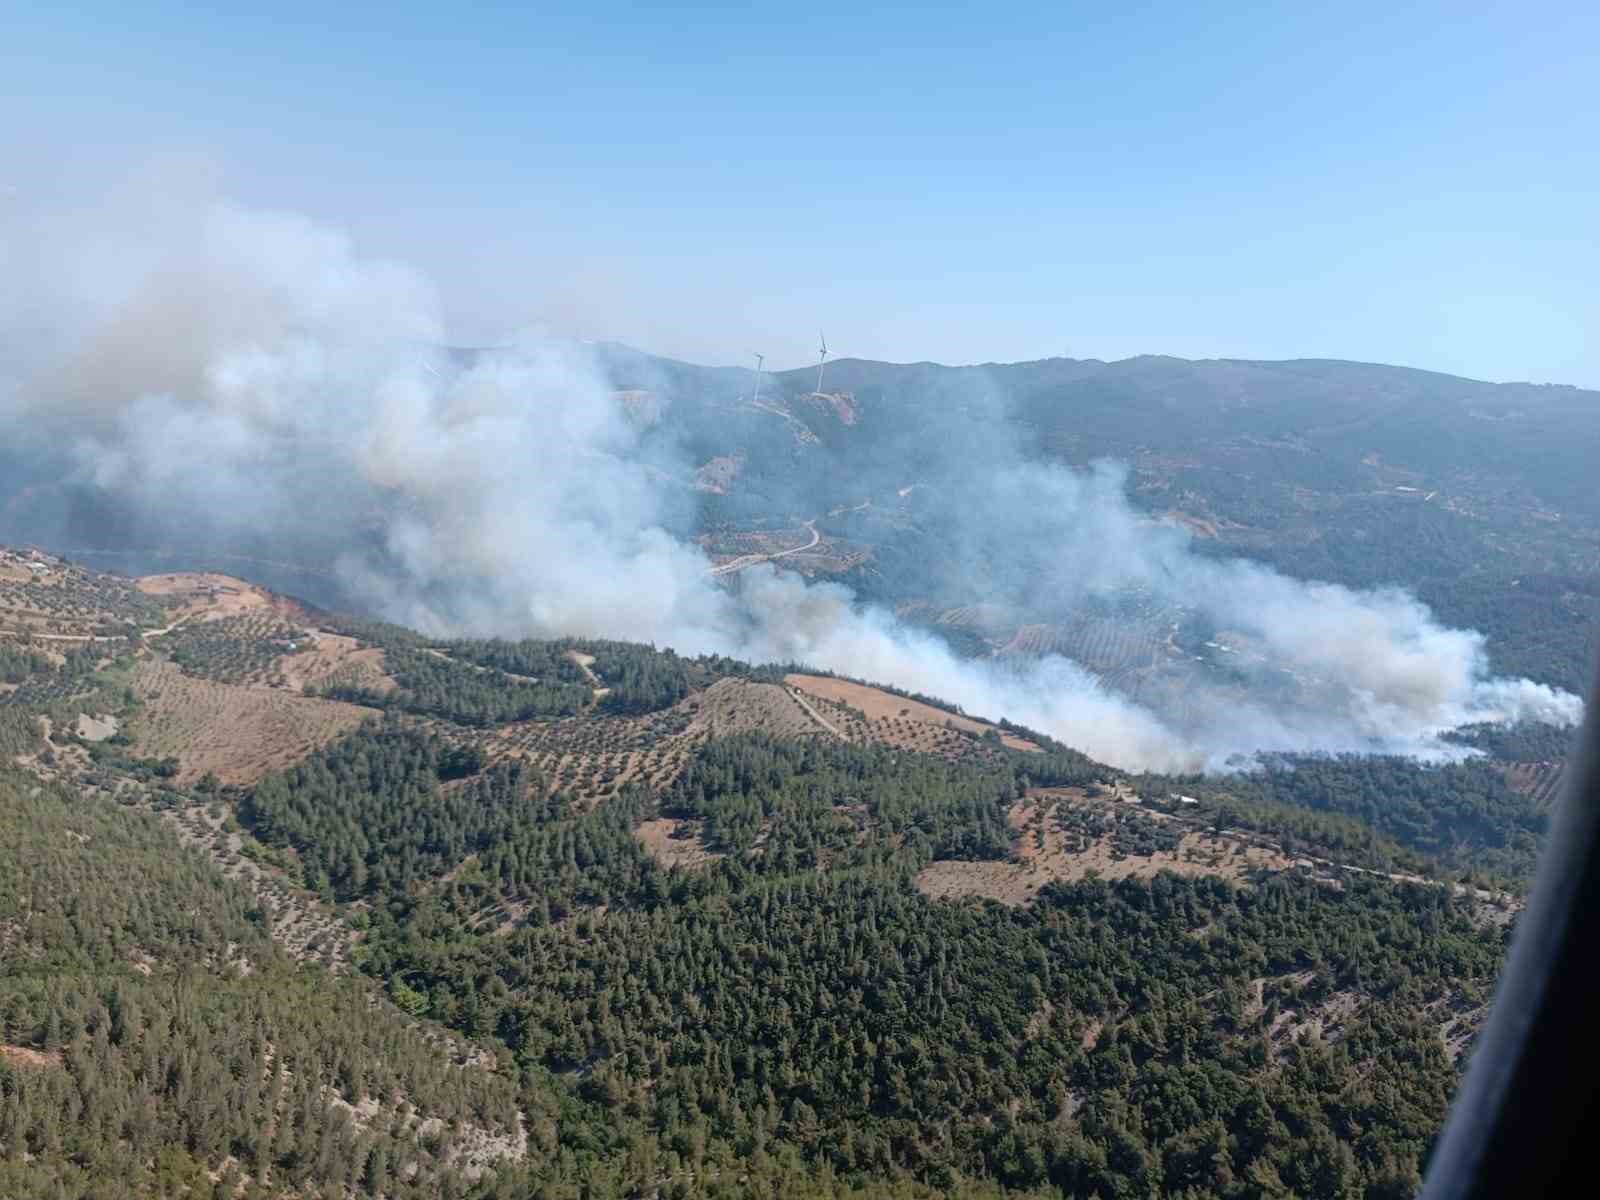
(750, 560)
(586, 665)
(88, 637)
(800, 699)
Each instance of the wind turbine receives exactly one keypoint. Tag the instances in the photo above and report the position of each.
(822, 360)
(760, 359)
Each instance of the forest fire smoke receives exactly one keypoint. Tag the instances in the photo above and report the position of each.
(248, 373)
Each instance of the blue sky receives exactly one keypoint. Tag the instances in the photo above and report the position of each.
(1401, 183)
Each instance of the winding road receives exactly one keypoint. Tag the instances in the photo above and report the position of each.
(92, 637)
(750, 560)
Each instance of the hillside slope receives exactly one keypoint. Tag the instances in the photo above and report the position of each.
(1475, 495)
(592, 918)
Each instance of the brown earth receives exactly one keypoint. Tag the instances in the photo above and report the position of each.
(22, 1056)
(1200, 526)
(209, 596)
(718, 474)
(1046, 853)
(675, 843)
(592, 755)
(585, 663)
(740, 705)
(886, 713)
(237, 732)
(333, 654)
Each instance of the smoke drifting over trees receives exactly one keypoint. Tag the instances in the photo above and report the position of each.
(238, 374)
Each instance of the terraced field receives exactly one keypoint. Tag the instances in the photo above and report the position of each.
(869, 714)
(1115, 649)
(303, 925)
(1064, 834)
(1540, 780)
(593, 755)
(236, 732)
(246, 649)
(987, 619)
(1036, 641)
(68, 601)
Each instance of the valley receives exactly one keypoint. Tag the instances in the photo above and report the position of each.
(894, 737)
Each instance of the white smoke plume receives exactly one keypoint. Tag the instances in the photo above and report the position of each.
(250, 373)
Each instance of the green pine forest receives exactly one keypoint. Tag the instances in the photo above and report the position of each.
(535, 1006)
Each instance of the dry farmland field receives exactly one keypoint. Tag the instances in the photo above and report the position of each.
(198, 593)
(1063, 834)
(66, 601)
(321, 657)
(899, 721)
(247, 648)
(237, 732)
(591, 756)
(1116, 649)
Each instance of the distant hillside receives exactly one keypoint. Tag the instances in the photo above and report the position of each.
(1536, 440)
(1478, 496)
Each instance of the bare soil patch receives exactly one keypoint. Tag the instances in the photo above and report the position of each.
(331, 654)
(207, 596)
(1049, 851)
(23, 1056)
(236, 732)
(885, 711)
(585, 664)
(675, 843)
(741, 705)
(96, 729)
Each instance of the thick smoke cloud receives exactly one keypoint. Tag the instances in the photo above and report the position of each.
(248, 374)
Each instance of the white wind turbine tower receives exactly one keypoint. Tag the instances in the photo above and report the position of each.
(822, 359)
(760, 359)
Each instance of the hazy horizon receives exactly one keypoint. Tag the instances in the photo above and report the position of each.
(833, 360)
(1366, 184)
